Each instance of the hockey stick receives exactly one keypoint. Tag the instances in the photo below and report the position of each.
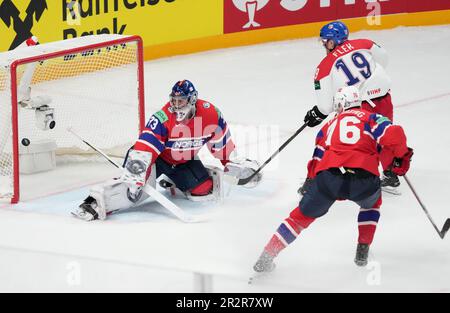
(244, 181)
(446, 226)
(70, 130)
(152, 192)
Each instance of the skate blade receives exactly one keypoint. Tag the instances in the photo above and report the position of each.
(361, 263)
(257, 277)
(85, 217)
(391, 190)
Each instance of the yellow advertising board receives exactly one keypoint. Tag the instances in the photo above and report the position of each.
(172, 27)
(156, 21)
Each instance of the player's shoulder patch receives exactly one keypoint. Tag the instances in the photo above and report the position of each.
(379, 119)
(317, 85)
(162, 116)
(208, 110)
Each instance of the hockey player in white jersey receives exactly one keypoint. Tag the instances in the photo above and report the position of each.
(360, 63)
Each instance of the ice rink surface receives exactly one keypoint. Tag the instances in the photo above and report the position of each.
(258, 87)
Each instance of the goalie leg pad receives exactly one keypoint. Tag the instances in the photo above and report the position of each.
(115, 195)
(111, 196)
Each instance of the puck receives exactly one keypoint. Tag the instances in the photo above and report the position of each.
(26, 142)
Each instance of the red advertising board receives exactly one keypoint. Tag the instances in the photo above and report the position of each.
(242, 15)
(426, 5)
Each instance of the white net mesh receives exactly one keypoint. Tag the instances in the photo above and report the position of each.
(94, 92)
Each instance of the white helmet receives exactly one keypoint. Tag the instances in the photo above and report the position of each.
(346, 98)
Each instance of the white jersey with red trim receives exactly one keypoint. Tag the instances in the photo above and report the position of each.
(360, 63)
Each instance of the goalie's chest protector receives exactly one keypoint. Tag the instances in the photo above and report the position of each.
(186, 139)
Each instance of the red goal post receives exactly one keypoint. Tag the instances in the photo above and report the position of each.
(96, 87)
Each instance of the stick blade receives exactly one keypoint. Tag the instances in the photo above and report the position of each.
(244, 181)
(445, 228)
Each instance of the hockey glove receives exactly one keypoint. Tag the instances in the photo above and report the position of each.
(400, 166)
(242, 169)
(314, 117)
(135, 172)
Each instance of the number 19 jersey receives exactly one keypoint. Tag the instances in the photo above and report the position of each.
(360, 63)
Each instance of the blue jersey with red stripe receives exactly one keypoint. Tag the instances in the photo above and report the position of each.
(354, 139)
(179, 142)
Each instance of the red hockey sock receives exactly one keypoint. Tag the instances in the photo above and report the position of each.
(368, 221)
(366, 233)
(288, 231)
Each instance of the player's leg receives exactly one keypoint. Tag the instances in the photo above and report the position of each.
(111, 196)
(390, 181)
(366, 192)
(304, 187)
(286, 233)
(192, 178)
(315, 203)
(384, 106)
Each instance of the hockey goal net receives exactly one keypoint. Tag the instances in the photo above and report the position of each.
(92, 85)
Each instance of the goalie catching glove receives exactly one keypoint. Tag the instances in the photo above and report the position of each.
(243, 168)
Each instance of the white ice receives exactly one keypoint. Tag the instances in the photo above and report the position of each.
(43, 249)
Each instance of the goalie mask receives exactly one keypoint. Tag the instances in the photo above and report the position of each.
(346, 98)
(183, 99)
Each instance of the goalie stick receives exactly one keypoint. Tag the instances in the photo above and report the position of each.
(446, 226)
(244, 181)
(152, 192)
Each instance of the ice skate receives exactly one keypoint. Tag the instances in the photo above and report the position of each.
(362, 254)
(390, 183)
(264, 264)
(86, 211)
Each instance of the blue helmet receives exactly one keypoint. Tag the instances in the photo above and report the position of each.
(336, 31)
(183, 92)
(184, 88)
